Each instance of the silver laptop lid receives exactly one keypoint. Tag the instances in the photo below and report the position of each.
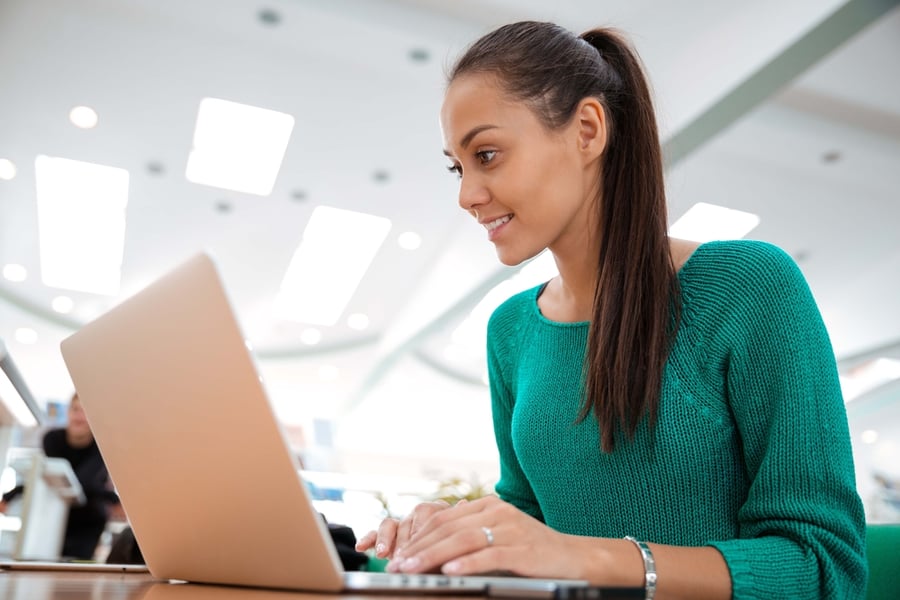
(197, 456)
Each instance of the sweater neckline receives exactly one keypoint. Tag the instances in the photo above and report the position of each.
(685, 268)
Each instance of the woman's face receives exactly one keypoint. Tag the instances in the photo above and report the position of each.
(529, 187)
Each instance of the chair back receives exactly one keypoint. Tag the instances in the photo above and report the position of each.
(883, 553)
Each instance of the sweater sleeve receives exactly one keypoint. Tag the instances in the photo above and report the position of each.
(802, 527)
(513, 485)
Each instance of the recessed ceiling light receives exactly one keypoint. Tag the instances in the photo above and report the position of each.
(869, 436)
(223, 206)
(832, 156)
(26, 335)
(83, 117)
(409, 240)
(419, 55)
(336, 250)
(63, 304)
(7, 169)
(299, 195)
(154, 167)
(311, 336)
(269, 17)
(707, 222)
(238, 147)
(381, 176)
(358, 321)
(81, 224)
(15, 273)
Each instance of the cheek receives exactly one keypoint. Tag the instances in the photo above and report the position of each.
(558, 184)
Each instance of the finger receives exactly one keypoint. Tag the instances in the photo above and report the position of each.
(482, 561)
(423, 513)
(453, 533)
(366, 541)
(447, 540)
(444, 545)
(414, 522)
(446, 521)
(385, 538)
(404, 529)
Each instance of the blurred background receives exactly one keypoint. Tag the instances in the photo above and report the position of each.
(136, 133)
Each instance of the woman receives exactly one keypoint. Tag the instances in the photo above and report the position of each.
(667, 414)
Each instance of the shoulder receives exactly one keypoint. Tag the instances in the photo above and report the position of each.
(745, 284)
(509, 320)
(515, 309)
(740, 263)
(55, 444)
(55, 437)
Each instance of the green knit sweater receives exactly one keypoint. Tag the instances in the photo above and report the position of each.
(751, 452)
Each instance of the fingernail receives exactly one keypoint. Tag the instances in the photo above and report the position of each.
(393, 566)
(451, 567)
(380, 549)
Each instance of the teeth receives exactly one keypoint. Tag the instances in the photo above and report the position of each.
(497, 223)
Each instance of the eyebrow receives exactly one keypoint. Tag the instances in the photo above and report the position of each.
(467, 139)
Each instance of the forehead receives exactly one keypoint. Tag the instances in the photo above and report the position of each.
(477, 99)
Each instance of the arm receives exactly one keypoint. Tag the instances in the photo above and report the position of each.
(455, 541)
(802, 525)
(513, 485)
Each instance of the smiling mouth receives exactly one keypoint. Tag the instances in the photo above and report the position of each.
(491, 226)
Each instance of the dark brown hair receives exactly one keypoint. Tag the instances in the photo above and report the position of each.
(636, 303)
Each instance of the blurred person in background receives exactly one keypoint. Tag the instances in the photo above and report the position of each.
(86, 522)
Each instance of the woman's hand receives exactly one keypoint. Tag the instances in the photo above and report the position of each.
(393, 533)
(486, 535)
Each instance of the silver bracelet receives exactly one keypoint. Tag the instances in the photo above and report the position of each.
(649, 567)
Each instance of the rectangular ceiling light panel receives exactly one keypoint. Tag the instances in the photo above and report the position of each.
(707, 222)
(869, 376)
(238, 147)
(337, 248)
(81, 224)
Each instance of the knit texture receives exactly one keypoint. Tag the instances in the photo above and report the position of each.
(751, 452)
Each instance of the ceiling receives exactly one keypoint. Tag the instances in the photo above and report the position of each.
(786, 110)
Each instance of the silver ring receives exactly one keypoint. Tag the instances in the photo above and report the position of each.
(489, 535)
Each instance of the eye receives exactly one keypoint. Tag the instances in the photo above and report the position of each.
(456, 170)
(485, 156)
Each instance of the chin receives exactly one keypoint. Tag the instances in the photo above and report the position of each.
(513, 259)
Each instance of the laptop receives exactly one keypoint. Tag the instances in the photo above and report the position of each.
(202, 466)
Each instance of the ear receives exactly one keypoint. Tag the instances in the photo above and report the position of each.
(590, 123)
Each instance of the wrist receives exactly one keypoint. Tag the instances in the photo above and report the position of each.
(649, 567)
(611, 562)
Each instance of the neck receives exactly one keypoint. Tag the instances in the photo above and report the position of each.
(576, 285)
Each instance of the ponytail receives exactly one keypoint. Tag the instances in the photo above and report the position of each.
(635, 312)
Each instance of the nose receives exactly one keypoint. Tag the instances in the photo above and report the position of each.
(472, 194)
